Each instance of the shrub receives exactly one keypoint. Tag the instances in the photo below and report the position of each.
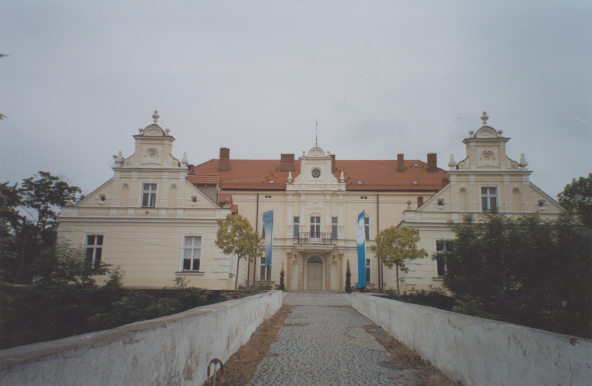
(348, 287)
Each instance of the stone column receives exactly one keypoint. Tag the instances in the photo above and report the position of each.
(301, 271)
(340, 272)
(328, 271)
(288, 277)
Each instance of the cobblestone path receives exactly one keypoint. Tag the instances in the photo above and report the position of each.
(323, 342)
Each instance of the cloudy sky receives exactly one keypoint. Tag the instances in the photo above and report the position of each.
(380, 77)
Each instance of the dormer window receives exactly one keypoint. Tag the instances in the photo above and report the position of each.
(316, 173)
(414, 182)
(359, 182)
(272, 181)
(415, 165)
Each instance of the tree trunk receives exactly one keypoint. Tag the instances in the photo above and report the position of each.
(236, 281)
(397, 272)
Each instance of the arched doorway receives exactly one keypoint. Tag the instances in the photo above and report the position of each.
(314, 268)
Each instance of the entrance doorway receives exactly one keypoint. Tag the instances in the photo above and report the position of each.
(314, 273)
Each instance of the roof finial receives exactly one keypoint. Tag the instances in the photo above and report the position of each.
(317, 134)
(484, 118)
(155, 116)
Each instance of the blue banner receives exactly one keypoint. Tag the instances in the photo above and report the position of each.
(361, 242)
(268, 226)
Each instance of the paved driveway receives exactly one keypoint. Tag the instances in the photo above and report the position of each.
(323, 342)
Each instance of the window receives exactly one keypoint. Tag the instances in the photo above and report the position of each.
(367, 227)
(191, 253)
(488, 198)
(296, 227)
(334, 227)
(149, 195)
(315, 227)
(94, 250)
(363, 197)
(443, 247)
(368, 276)
(316, 173)
(264, 272)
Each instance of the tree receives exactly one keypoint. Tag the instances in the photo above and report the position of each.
(526, 271)
(9, 221)
(29, 221)
(44, 194)
(282, 279)
(394, 246)
(348, 279)
(236, 236)
(577, 197)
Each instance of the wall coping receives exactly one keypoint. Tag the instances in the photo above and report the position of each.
(39, 351)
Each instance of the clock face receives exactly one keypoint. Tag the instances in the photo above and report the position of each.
(316, 173)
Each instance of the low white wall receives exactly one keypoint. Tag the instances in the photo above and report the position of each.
(478, 351)
(172, 350)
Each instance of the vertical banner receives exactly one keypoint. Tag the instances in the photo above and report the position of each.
(361, 242)
(268, 226)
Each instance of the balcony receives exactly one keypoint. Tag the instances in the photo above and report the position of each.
(315, 238)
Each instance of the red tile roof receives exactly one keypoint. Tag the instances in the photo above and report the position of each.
(204, 179)
(375, 175)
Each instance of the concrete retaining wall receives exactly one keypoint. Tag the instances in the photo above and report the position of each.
(478, 351)
(172, 350)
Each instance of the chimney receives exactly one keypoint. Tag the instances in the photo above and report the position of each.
(432, 162)
(400, 163)
(287, 163)
(419, 201)
(224, 164)
(333, 168)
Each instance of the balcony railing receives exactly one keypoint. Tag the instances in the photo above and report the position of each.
(314, 238)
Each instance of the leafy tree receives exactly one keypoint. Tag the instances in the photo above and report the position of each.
(526, 271)
(394, 246)
(45, 194)
(577, 196)
(348, 279)
(28, 222)
(9, 221)
(236, 236)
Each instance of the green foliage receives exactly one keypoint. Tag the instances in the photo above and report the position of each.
(394, 246)
(348, 288)
(526, 271)
(24, 238)
(45, 193)
(65, 300)
(282, 279)
(181, 282)
(468, 305)
(577, 197)
(236, 236)
(434, 297)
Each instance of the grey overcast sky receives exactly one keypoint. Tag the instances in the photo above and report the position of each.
(381, 78)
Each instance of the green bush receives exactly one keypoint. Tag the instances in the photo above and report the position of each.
(65, 300)
(434, 297)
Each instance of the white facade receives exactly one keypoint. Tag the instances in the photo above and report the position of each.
(148, 218)
(158, 213)
(487, 177)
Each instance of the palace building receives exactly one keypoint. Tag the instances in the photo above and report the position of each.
(156, 218)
